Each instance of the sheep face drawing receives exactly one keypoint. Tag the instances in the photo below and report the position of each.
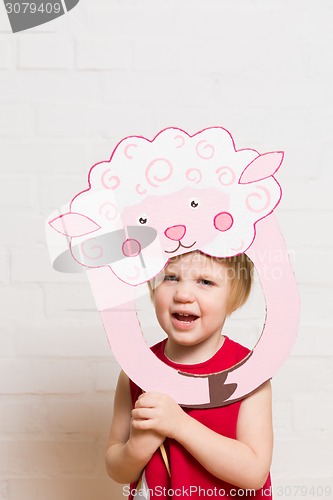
(156, 199)
(201, 194)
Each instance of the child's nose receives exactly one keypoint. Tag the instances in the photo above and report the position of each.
(183, 293)
(175, 232)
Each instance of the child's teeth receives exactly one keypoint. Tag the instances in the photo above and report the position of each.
(185, 317)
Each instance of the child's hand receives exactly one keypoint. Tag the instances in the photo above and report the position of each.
(160, 413)
(144, 442)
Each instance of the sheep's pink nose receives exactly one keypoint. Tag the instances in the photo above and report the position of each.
(175, 232)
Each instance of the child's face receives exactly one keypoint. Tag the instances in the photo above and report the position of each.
(191, 301)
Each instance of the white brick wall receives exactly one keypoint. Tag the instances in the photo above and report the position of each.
(5, 53)
(40, 52)
(69, 90)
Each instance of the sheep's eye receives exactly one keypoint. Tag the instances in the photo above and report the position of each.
(194, 203)
(143, 219)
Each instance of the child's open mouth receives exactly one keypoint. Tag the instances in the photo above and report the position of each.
(185, 318)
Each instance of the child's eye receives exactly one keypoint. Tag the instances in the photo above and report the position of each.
(170, 277)
(206, 282)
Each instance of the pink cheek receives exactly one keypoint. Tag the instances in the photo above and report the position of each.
(131, 248)
(223, 221)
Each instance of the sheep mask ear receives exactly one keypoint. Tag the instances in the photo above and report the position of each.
(156, 199)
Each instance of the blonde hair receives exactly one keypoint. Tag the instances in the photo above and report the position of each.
(241, 269)
(240, 273)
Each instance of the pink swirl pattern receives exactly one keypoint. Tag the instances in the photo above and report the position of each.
(135, 276)
(140, 190)
(239, 248)
(154, 171)
(194, 175)
(108, 210)
(205, 152)
(182, 140)
(110, 182)
(226, 176)
(251, 199)
(90, 250)
(131, 145)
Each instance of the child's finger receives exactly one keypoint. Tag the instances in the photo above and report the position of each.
(142, 424)
(145, 400)
(142, 413)
(151, 394)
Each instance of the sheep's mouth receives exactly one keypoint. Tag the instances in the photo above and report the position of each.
(180, 245)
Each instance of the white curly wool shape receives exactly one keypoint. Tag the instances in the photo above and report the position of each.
(173, 194)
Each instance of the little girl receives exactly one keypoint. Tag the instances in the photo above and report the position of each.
(164, 450)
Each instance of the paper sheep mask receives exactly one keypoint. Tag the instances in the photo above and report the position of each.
(156, 199)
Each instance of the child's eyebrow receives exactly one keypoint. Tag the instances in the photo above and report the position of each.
(206, 276)
(210, 275)
(170, 271)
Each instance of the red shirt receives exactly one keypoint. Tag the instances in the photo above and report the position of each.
(189, 479)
